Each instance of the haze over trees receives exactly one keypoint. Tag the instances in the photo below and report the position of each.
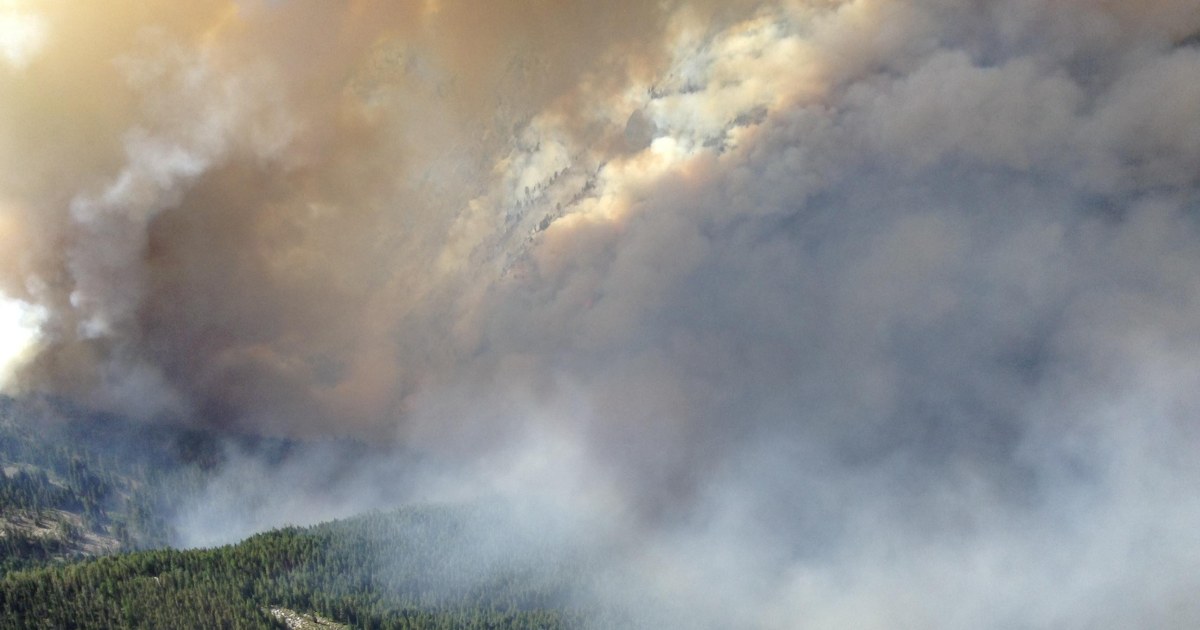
(387, 570)
(84, 537)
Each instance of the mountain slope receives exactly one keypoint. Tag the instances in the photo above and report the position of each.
(427, 567)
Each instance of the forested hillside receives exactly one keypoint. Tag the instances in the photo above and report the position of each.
(87, 506)
(429, 567)
(75, 484)
(65, 494)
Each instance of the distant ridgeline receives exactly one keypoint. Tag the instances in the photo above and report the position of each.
(428, 567)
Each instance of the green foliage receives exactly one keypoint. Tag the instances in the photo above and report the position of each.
(75, 484)
(65, 486)
(56, 496)
(415, 568)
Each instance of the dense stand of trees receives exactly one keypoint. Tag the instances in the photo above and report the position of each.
(57, 494)
(67, 475)
(415, 568)
(95, 486)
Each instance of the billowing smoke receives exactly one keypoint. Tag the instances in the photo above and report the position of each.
(839, 314)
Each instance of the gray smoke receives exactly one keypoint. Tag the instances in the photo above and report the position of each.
(830, 314)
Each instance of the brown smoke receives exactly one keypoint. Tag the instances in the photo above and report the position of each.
(237, 212)
(850, 312)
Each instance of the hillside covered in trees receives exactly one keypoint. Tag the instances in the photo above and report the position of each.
(428, 567)
(77, 484)
(66, 491)
(89, 507)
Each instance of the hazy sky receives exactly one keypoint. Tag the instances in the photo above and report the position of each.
(890, 309)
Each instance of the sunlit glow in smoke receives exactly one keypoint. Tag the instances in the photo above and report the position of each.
(22, 34)
(20, 329)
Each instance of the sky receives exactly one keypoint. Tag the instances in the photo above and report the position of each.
(840, 313)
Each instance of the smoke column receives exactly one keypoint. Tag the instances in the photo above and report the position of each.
(834, 314)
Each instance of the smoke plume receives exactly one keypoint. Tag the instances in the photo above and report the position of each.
(858, 313)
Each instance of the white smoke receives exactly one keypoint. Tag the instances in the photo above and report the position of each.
(20, 331)
(819, 314)
(23, 34)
